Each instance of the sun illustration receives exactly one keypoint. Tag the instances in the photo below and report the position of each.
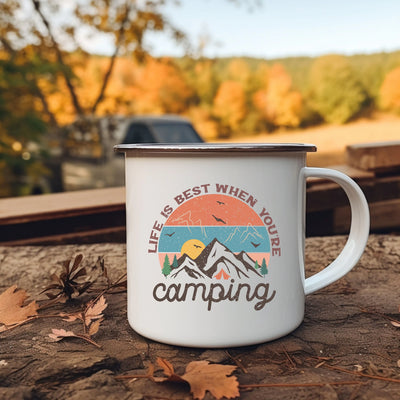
(192, 248)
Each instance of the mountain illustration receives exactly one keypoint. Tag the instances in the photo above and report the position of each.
(216, 261)
(187, 266)
(243, 235)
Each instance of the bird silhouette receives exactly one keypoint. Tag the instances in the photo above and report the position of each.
(218, 219)
(170, 234)
(197, 246)
(220, 202)
(255, 244)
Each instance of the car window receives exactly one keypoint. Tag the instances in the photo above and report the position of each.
(138, 133)
(175, 133)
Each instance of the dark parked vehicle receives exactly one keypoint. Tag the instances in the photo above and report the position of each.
(167, 129)
(89, 159)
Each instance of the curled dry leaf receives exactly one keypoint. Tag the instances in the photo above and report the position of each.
(94, 327)
(91, 318)
(201, 376)
(95, 310)
(59, 334)
(12, 309)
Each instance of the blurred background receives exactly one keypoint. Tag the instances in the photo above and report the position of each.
(75, 75)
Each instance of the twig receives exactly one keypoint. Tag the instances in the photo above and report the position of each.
(87, 339)
(381, 378)
(293, 364)
(131, 377)
(335, 383)
(30, 319)
(257, 385)
(237, 362)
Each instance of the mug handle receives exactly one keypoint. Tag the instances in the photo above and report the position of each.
(359, 230)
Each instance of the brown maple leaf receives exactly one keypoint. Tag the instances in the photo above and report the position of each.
(201, 376)
(12, 309)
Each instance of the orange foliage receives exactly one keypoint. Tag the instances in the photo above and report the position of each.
(390, 91)
(161, 89)
(239, 71)
(203, 81)
(279, 104)
(203, 121)
(230, 104)
(158, 86)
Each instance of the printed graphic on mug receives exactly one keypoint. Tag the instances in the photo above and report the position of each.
(218, 239)
(214, 237)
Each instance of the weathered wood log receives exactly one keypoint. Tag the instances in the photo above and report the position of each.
(346, 327)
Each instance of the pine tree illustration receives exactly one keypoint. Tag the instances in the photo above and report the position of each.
(175, 262)
(166, 266)
(256, 265)
(264, 269)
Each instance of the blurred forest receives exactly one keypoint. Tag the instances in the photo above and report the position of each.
(48, 80)
(223, 97)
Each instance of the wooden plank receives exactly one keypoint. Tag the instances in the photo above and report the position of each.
(56, 205)
(377, 157)
(326, 195)
(110, 235)
(385, 216)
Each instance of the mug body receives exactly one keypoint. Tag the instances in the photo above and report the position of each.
(215, 242)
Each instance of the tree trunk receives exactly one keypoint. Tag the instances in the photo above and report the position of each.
(75, 101)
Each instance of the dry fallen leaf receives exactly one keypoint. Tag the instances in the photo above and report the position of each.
(91, 318)
(202, 377)
(12, 309)
(168, 370)
(95, 310)
(59, 334)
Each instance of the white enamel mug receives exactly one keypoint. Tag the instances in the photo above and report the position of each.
(215, 241)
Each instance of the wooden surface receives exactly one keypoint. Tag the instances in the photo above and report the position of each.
(55, 205)
(85, 216)
(98, 215)
(377, 157)
(346, 327)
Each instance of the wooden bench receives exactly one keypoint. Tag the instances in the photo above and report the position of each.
(376, 168)
(87, 216)
(98, 215)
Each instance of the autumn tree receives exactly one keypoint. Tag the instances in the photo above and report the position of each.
(279, 104)
(390, 91)
(21, 126)
(160, 88)
(238, 70)
(336, 92)
(230, 106)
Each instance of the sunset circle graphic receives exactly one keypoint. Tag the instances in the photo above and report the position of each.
(214, 236)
